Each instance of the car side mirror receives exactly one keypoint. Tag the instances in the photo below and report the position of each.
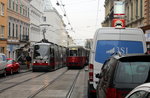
(99, 76)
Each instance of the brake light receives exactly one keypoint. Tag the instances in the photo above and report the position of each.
(111, 93)
(91, 72)
(114, 93)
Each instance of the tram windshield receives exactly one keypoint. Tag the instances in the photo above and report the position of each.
(73, 53)
(41, 52)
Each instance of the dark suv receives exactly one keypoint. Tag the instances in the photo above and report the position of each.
(120, 74)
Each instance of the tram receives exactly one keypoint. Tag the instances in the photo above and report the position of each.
(48, 56)
(77, 57)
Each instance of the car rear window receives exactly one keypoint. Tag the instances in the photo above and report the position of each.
(132, 72)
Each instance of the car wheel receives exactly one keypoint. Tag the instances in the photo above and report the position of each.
(11, 71)
(18, 71)
(4, 74)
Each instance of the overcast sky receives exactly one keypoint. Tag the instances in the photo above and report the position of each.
(83, 16)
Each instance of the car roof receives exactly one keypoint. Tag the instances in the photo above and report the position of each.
(147, 85)
(9, 58)
(118, 56)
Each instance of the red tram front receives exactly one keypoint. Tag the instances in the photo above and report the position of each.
(77, 57)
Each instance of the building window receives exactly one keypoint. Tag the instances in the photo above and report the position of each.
(136, 8)
(2, 31)
(20, 9)
(131, 11)
(128, 13)
(2, 9)
(16, 7)
(16, 30)
(13, 30)
(23, 11)
(2, 49)
(28, 31)
(13, 5)
(9, 29)
(23, 31)
(141, 8)
(20, 31)
(44, 19)
(9, 3)
(28, 12)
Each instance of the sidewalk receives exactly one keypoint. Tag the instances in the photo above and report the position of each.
(23, 68)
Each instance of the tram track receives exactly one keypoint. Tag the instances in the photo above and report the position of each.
(12, 85)
(72, 86)
(14, 76)
(68, 95)
(2, 90)
(45, 86)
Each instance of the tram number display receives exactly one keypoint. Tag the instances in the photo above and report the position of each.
(73, 48)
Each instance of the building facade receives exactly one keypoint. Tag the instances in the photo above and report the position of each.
(35, 21)
(109, 6)
(3, 26)
(134, 13)
(146, 27)
(56, 32)
(18, 26)
(44, 16)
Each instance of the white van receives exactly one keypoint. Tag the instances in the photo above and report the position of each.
(111, 40)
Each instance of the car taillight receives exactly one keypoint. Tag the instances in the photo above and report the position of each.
(111, 93)
(91, 72)
(115, 93)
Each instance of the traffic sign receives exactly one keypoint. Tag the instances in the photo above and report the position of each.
(120, 23)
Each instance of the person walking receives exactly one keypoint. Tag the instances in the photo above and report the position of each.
(28, 61)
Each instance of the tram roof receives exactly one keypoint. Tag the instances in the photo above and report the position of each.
(76, 46)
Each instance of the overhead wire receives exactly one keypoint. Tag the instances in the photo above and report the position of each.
(64, 11)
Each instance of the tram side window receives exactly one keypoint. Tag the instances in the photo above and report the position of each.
(80, 52)
(52, 52)
(73, 52)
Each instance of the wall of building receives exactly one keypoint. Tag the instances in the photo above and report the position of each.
(55, 33)
(18, 25)
(134, 13)
(35, 21)
(3, 26)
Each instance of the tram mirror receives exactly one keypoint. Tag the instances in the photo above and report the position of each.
(92, 51)
(36, 47)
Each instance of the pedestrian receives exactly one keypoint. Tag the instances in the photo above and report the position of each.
(28, 61)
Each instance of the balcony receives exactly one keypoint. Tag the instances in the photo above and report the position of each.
(24, 38)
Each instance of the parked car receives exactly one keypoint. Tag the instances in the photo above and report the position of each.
(12, 66)
(3, 64)
(121, 73)
(142, 91)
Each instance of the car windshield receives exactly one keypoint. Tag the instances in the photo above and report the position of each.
(133, 72)
(9, 61)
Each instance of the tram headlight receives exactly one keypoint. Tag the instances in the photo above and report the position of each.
(45, 61)
(35, 62)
